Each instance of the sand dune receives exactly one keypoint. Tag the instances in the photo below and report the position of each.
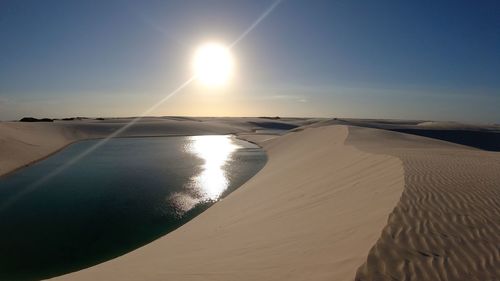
(485, 137)
(312, 213)
(23, 143)
(447, 224)
(337, 200)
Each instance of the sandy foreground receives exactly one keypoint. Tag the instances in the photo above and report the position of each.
(334, 202)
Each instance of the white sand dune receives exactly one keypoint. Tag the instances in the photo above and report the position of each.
(312, 213)
(334, 202)
(447, 224)
(23, 143)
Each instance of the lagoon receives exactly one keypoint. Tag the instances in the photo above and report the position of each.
(126, 193)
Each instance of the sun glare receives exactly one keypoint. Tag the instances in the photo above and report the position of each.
(213, 64)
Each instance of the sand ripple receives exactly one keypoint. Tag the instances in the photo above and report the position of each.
(446, 225)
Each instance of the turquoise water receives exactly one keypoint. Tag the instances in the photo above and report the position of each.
(123, 195)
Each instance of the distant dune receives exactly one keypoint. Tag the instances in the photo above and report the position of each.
(339, 199)
(23, 143)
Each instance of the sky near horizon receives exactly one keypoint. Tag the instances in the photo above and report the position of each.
(429, 60)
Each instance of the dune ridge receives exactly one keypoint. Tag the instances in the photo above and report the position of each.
(312, 213)
(24, 143)
(446, 225)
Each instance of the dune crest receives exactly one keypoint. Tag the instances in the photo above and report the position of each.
(447, 223)
(312, 213)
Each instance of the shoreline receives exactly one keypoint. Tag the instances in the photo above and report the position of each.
(8, 173)
(236, 229)
(77, 134)
(176, 177)
(15, 170)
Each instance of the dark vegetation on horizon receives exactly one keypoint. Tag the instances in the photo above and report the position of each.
(32, 119)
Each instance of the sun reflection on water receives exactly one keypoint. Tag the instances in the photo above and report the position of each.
(215, 151)
(212, 180)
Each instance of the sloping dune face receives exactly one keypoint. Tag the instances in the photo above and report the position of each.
(312, 213)
(23, 143)
(447, 223)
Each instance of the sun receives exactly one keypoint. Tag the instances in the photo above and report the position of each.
(213, 64)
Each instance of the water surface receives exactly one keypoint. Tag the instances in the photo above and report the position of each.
(126, 193)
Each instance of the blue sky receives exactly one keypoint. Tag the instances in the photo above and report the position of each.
(424, 59)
